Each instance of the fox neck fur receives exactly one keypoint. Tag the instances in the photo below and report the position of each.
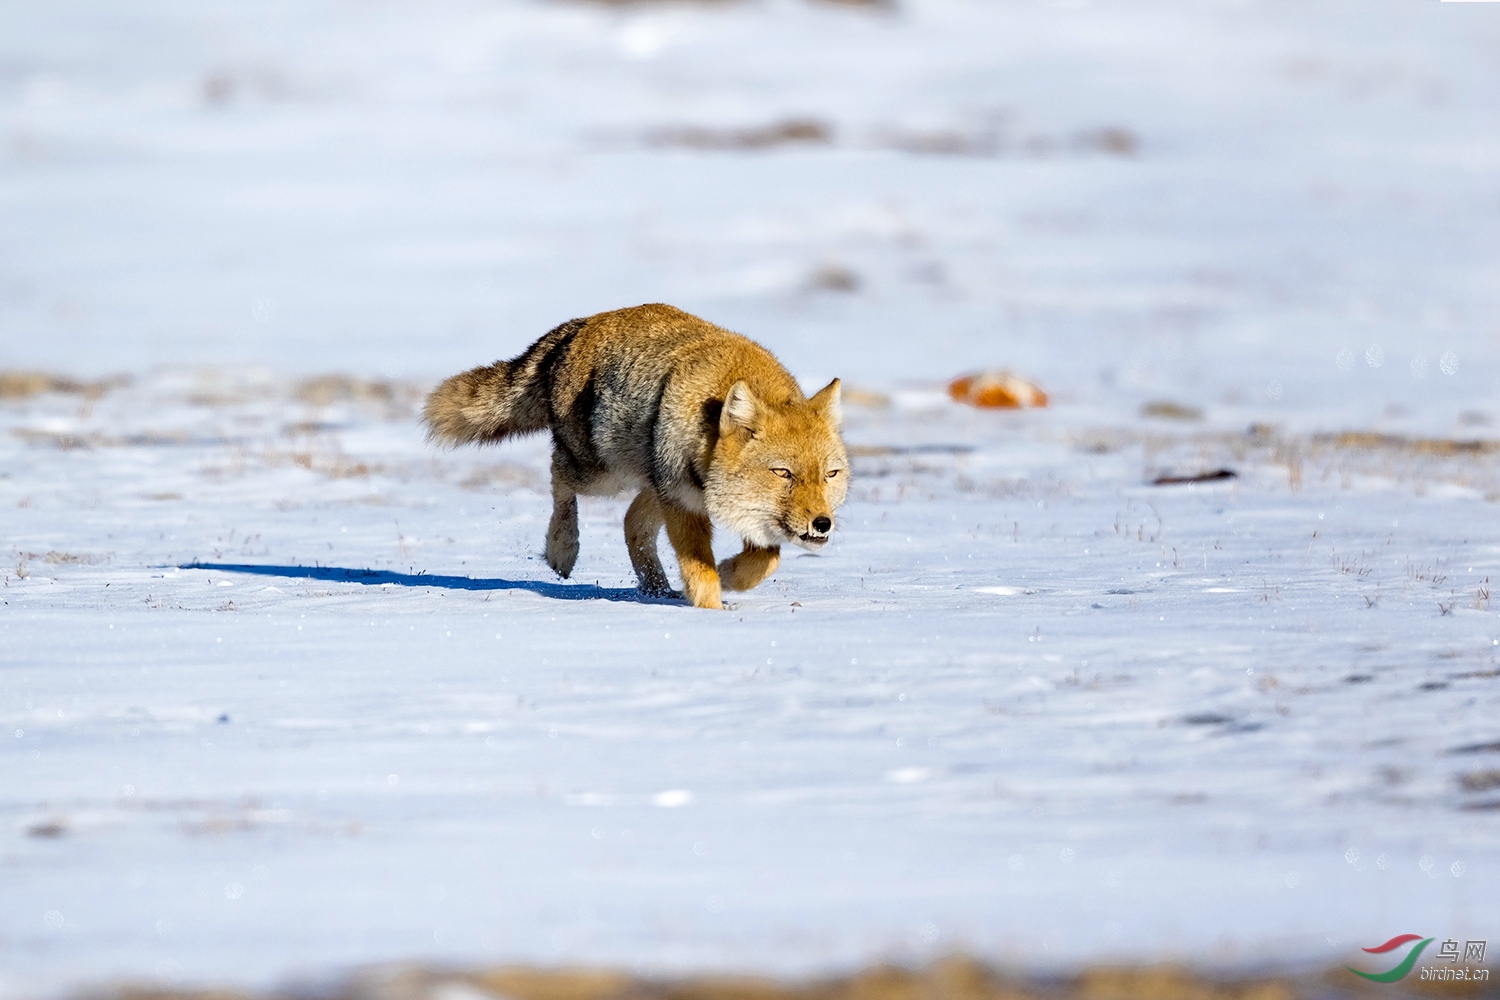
(705, 425)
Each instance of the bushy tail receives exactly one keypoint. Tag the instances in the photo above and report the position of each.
(494, 402)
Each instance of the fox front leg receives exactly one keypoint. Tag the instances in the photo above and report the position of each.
(692, 536)
(750, 567)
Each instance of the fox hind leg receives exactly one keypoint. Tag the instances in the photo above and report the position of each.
(643, 522)
(562, 531)
(750, 567)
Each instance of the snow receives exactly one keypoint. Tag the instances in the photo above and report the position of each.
(285, 690)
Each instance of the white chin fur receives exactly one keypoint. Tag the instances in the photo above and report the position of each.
(766, 539)
(765, 535)
(756, 530)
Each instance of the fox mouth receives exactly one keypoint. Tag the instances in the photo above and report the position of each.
(808, 540)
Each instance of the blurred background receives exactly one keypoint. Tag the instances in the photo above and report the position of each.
(1128, 198)
(1267, 212)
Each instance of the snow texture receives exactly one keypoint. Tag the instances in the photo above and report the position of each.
(284, 690)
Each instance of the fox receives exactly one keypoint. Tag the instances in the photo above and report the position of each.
(704, 425)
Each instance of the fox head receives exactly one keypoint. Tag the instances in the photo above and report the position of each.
(779, 470)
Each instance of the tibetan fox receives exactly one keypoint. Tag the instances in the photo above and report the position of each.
(705, 424)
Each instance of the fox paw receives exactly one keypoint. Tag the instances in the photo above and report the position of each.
(749, 568)
(562, 557)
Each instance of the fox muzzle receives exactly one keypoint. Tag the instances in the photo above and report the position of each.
(816, 535)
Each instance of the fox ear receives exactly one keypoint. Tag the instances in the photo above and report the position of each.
(827, 403)
(741, 409)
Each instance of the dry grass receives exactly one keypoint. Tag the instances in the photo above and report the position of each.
(328, 461)
(1443, 447)
(1166, 410)
(55, 558)
(954, 978)
(325, 390)
(1319, 459)
(94, 439)
(791, 132)
(24, 385)
(995, 142)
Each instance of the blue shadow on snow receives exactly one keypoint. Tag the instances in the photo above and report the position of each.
(376, 577)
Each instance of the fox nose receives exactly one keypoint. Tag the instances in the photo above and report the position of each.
(822, 524)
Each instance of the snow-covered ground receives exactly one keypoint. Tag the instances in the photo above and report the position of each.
(283, 690)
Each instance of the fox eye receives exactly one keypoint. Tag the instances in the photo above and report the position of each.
(833, 472)
(783, 473)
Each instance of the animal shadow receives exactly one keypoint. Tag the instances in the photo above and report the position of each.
(377, 577)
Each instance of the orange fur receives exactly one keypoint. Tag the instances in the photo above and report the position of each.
(705, 424)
